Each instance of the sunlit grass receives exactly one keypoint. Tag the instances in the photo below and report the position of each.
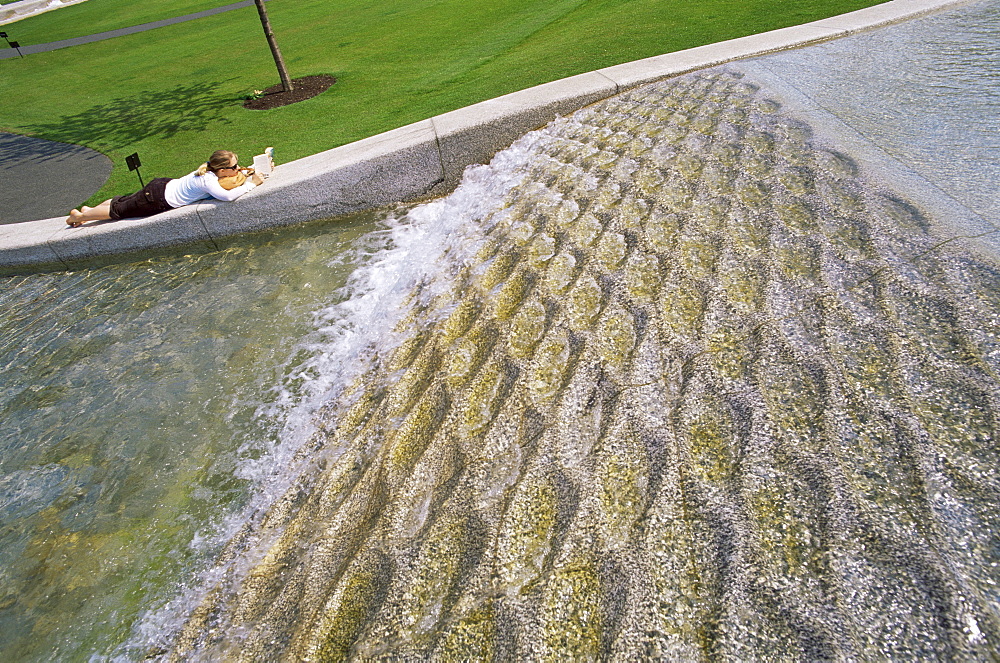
(174, 94)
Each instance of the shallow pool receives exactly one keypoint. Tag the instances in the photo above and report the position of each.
(143, 406)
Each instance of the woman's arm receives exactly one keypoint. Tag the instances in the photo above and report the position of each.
(214, 189)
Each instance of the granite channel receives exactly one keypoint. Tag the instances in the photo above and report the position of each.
(700, 387)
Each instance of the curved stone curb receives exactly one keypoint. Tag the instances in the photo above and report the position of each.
(16, 11)
(407, 164)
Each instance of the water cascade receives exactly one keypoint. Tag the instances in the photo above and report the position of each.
(695, 388)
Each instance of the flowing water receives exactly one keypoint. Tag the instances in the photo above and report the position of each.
(927, 92)
(702, 390)
(142, 405)
(673, 377)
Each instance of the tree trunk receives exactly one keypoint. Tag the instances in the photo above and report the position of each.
(286, 82)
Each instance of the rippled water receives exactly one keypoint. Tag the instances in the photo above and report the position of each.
(673, 377)
(926, 91)
(143, 404)
(703, 390)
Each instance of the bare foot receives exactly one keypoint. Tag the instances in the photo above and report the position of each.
(74, 220)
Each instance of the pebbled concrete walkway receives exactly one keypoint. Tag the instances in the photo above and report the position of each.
(43, 178)
(414, 162)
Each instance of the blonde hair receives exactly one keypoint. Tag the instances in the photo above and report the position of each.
(219, 159)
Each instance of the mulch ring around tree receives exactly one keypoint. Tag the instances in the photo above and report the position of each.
(303, 88)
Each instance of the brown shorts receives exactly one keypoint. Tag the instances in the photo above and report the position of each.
(147, 201)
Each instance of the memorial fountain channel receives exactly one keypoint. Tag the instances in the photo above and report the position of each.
(678, 376)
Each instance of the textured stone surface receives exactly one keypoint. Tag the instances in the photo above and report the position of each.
(77, 247)
(705, 391)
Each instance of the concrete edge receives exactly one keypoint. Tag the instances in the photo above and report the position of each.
(408, 164)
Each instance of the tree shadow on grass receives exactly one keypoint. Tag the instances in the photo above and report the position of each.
(121, 122)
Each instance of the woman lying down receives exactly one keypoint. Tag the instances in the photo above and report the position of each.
(220, 177)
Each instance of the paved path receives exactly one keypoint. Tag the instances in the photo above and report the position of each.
(110, 34)
(41, 179)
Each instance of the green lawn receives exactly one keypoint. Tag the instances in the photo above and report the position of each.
(174, 94)
(89, 18)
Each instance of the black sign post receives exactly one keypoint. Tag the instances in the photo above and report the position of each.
(12, 44)
(133, 164)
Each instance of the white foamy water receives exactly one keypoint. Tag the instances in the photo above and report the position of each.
(402, 267)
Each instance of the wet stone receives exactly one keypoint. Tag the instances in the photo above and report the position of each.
(752, 192)
(610, 251)
(642, 277)
(586, 230)
(837, 166)
(584, 303)
(699, 390)
(797, 181)
(560, 274)
(527, 329)
(541, 251)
